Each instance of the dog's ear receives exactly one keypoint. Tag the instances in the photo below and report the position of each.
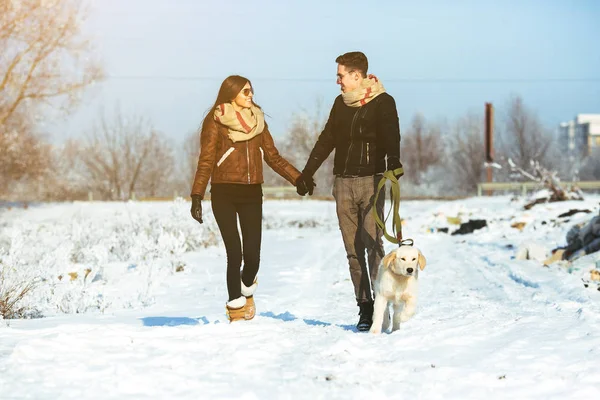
(387, 260)
(422, 261)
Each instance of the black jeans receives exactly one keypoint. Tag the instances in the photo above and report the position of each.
(226, 212)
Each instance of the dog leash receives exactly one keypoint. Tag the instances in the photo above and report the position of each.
(395, 199)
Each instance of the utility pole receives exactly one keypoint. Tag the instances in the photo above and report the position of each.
(489, 142)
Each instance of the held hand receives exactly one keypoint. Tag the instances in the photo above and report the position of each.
(305, 184)
(196, 209)
(394, 165)
(301, 188)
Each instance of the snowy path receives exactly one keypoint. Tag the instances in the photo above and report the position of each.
(486, 327)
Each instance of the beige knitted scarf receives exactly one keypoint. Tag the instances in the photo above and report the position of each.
(243, 125)
(369, 88)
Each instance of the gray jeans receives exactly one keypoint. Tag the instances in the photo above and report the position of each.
(354, 203)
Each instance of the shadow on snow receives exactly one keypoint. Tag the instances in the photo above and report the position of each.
(287, 316)
(173, 321)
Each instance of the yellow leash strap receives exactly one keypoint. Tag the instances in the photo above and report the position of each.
(395, 199)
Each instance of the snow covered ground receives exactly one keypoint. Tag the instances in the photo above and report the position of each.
(133, 298)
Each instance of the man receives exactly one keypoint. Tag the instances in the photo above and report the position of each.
(363, 129)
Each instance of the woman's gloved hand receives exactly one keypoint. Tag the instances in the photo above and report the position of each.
(196, 209)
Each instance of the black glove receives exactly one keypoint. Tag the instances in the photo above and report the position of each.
(305, 184)
(197, 207)
(394, 164)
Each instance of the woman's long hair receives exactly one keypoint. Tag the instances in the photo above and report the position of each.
(230, 88)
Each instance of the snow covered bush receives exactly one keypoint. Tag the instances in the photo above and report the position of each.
(74, 258)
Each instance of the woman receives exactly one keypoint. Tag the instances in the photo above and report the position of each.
(233, 142)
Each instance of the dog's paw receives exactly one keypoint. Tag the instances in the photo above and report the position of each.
(374, 330)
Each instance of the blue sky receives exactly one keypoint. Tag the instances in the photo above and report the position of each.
(165, 59)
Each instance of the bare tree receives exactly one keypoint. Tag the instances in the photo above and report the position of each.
(466, 152)
(45, 64)
(523, 137)
(66, 178)
(421, 148)
(156, 178)
(126, 155)
(24, 156)
(44, 58)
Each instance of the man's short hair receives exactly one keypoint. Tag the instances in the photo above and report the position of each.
(354, 61)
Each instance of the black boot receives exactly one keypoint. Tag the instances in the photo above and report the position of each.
(366, 316)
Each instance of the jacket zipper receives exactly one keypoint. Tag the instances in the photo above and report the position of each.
(362, 152)
(350, 147)
(367, 153)
(248, 161)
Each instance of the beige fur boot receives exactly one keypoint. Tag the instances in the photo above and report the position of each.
(236, 309)
(248, 292)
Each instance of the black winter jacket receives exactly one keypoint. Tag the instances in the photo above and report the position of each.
(363, 138)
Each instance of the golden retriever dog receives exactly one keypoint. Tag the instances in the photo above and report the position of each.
(397, 285)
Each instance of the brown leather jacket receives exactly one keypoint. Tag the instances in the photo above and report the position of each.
(224, 161)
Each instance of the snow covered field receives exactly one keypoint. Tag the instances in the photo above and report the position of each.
(133, 298)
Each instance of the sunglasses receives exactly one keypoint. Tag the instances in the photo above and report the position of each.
(246, 92)
(342, 76)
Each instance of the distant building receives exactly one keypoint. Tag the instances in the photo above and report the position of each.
(581, 136)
